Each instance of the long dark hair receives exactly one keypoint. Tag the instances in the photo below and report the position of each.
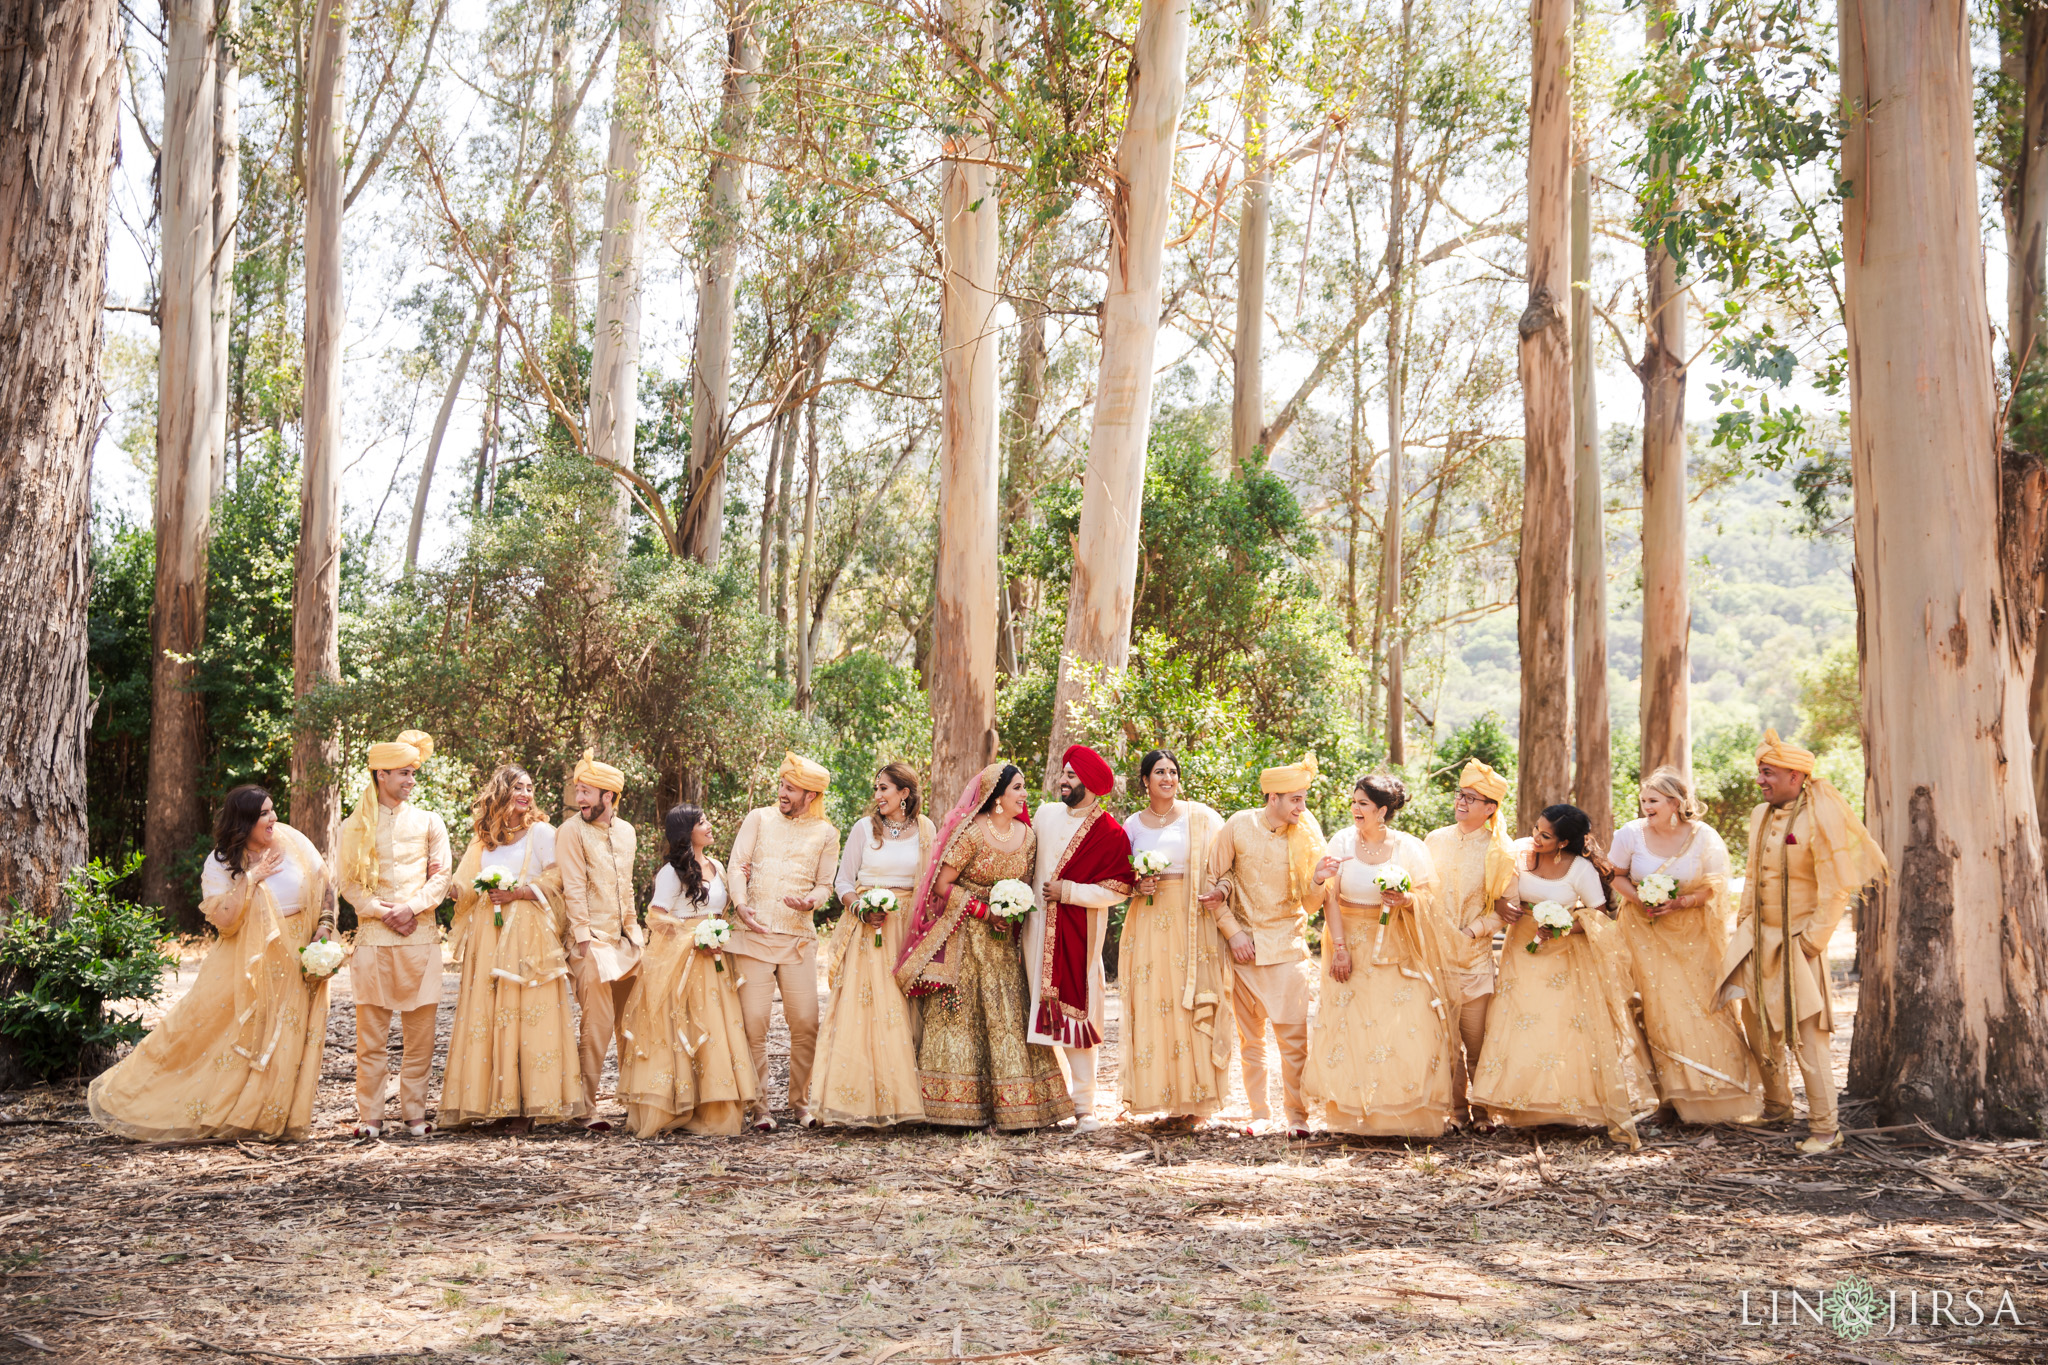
(1571, 826)
(680, 823)
(903, 777)
(238, 815)
(1152, 760)
(1002, 784)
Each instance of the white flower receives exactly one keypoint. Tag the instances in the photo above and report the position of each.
(1392, 877)
(1010, 899)
(322, 958)
(496, 878)
(712, 932)
(1657, 888)
(1551, 915)
(1149, 862)
(878, 900)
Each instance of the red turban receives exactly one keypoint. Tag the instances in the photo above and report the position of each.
(1090, 767)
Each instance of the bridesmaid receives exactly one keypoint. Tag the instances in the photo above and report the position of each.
(865, 1075)
(1704, 1069)
(239, 1055)
(1174, 1053)
(1555, 1037)
(683, 1055)
(511, 1052)
(1383, 1046)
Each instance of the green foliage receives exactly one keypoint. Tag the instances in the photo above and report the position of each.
(245, 665)
(1831, 698)
(117, 663)
(58, 976)
(874, 713)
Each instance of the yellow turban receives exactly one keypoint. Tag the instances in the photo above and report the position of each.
(1779, 754)
(799, 771)
(1484, 780)
(409, 750)
(359, 835)
(1295, 777)
(602, 776)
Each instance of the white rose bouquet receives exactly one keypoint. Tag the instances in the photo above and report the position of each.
(322, 958)
(495, 878)
(1553, 921)
(1391, 877)
(1148, 862)
(877, 900)
(1658, 888)
(1009, 901)
(712, 932)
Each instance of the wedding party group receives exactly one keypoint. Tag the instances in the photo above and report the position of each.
(1466, 980)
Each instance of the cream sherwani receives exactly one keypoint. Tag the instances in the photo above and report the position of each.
(1460, 862)
(390, 972)
(773, 857)
(1057, 824)
(1250, 865)
(596, 863)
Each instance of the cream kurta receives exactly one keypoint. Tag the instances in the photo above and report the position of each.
(1174, 1050)
(391, 970)
(1057, 823)
(1251, 864)
(596, 862)
(1816, 900)
(1703, 1065)
(1459, 860)
(512, 1052)
(238, 1056)
(774, 856)
(683, 1060)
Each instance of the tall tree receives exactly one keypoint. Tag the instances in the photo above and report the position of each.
(2023, 29)
(316, 589)
(1666, 707)
(227, 211)
(615, 343)
(191, 430)
(1099, 599)
(1397, 386)
(1544, 583)
(60, 83)
(1254, 236)
(562, 104)
(1021, 444)
(1949, 1027)
(1593, 771)
(725, 192)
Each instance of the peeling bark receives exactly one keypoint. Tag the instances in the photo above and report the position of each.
(1254, 237)
(615, 341)
(1593, 759)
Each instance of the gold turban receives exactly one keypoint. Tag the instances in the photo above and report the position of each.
(359, 835)
(602, 776)
(799, 771)
(409, 750)
(1779, 754)
(1501, 871)
(1484, 780)
(1295, 777)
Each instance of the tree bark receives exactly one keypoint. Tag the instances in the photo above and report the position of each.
(188, 402)
(725, 196)
(615, 342)
(227, 208)
(1397, 384)
(441, 419)
(1666, 706)
(1020, 462)
(963, 664)
(1544, 567)
(2026, 217)
(562, 183)
(764, 592)
(1949, 1028)
(807, 568)
(1593, 771)
(316, 590)
(1099, 601)
(60, 83)
(1254, 240)
(785, 491)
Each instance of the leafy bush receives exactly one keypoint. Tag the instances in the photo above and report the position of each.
(57, 976)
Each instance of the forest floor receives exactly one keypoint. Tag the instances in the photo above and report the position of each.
(928, 1245)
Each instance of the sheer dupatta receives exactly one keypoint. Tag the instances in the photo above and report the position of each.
(923, 968)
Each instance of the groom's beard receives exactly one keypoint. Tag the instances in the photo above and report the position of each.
(1074, 796)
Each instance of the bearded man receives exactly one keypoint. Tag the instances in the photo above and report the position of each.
(594, 850)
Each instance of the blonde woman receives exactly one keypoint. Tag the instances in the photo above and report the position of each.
(684, 1061)
(1381, 1053)
(1174, 1053)
(866, 1072)
(511, 1054)
(1704, 1069)
(239, 1055)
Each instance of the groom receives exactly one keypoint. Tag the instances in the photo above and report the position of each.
(1084, 868)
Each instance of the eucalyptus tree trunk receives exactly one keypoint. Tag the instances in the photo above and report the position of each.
(227, 208)
(1254, 240)
(1397, 386)
(1020, 463)
(1593, 768)
(1099, 601)
(764, 593)
(2026, 226)
(808, 566)
(441, 419)
(59, 82)
(1949, 1027)
(316, 589)
(1666, 705)
(1545, 581)
(562, 185)
(615, 343)
(962, 681)
(725, 196)
(190, 397)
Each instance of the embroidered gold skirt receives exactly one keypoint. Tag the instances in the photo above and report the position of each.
(683, 1056)
(1174, 1049)
(974, 1066)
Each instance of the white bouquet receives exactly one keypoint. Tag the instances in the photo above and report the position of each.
(1009, 900)
(1148, 862)
(1553, 921)
(496, 878)
(877, 900)
(322, 958)
(712, 932)
(1658, 889)
(1391, 877)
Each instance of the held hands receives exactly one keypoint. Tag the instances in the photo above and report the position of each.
(1211, 898)
(399, 920)
(1242, 949)
(1509, 911)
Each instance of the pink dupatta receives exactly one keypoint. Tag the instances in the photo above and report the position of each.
(922, 968)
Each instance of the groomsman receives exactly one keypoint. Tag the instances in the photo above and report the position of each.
(1266, 876)
(394, 870)
(1475, 865)
(594, 850)
(1084, 868)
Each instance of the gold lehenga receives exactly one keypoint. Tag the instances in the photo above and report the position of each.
(239, 1055)
(1174, 1049)
(975, 1067)
(512, 1050)
(866, 1072)
(683, 1055)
